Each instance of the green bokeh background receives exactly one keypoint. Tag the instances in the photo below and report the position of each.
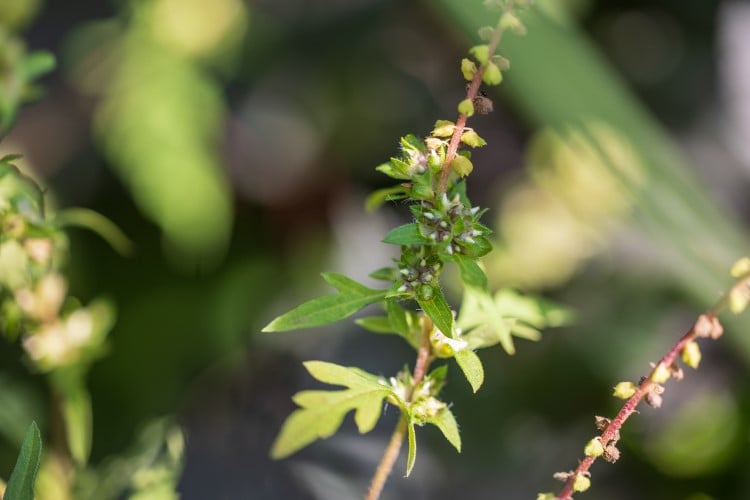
(239, 169)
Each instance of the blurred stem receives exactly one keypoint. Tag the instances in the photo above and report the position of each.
(611, 434)
(424, 357)
(471, 94)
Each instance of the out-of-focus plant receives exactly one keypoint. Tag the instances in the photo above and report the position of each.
(160, 112)
(446, 231)
(59, 335)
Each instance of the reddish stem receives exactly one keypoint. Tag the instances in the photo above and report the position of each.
(611, 433)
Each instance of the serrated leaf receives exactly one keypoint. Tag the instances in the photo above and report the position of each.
(471, 273)
(446, 422)
(443, 128)
(351, 298)
(321, 412)
(380, 196)
(472, 139)
(21, 483)
(408, 234)
(412, 454)
(439, 312)
(472, 367)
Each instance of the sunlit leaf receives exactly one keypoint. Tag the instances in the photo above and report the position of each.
(351, 298)
(321, 412)
(412, 454)
(472, 367)
(471, 273)
(380, 196)
(446, 422)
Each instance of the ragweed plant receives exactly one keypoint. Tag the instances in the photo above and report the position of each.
(446, 231)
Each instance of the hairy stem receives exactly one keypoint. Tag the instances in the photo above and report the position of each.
(471, 93)
(611, 433)
(397, 438)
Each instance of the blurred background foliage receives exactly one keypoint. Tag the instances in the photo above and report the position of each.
(234, 142)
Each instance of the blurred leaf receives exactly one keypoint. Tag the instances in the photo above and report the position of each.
(472, 367)
(376, 324)
(76, 412)
(380, 196)
(19, 403)
(21, 482)
(485, 324)
(322, 412)
(97, 223)
(351, 298)
(36, 64)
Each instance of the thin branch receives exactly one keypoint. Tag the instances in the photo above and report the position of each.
(707, 325)
(397, 438)
(471, 93)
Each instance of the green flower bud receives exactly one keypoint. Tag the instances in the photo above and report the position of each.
(691, 354)
(481, 53)
(661, 374)
(594, 448)
(492, 74)
(624, 390)
(468, 68)
(466, 107)
(581, 483)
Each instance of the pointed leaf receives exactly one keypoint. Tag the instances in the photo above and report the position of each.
(439, 312)
(392, 171)
(446, 422)
(408, 234)
(321, 412)
(485, 325)
(22, 479)
(472, 367)
(471, 273)
(380, 196)
(385, 274)
(472, 139)
(351, 298)
(376, 324)
(412, 455)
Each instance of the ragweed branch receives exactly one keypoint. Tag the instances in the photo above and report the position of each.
(652, 387)
(446, 230)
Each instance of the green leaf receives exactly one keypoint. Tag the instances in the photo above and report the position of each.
(443, 128)
(321, 412)
(446, 422)
(380, 196)
(472, 139)
(485, 325)
(439, 312)
(102, 226)
(408, 234)
(471, 273)
(76, 410)
(36, 64)
(384, 274)
(472, 367)
(376, 324)
(412, 455)
(21, 482)
(351, 298)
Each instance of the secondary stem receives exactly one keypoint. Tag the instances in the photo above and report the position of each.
(397, 438)
(612, 432)
(471, 93)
